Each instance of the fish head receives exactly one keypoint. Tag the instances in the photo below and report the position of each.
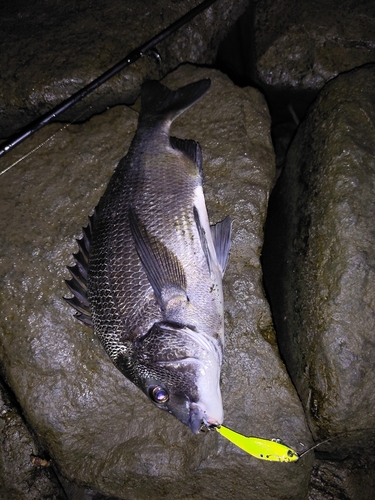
(178, 368)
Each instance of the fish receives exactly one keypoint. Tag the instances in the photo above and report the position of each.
(148, 273)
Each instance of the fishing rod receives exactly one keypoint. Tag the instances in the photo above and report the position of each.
(136, 54)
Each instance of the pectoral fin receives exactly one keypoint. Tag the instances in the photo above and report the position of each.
(163, 269)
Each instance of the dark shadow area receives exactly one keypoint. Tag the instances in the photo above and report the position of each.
(287, 106)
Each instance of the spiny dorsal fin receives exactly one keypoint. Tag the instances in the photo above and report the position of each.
(164, 271)
(160, 103)
(220, 233)
(191, 149)
(78, 283)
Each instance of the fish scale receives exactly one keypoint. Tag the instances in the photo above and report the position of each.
(175, 193)
(155, 267)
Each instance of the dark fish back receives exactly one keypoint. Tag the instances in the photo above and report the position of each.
(117, 298)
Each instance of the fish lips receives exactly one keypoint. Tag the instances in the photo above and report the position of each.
(199, 420)
(195, 418)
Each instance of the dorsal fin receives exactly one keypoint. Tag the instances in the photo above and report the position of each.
(78, 283)
(191, 149)
(160, 103)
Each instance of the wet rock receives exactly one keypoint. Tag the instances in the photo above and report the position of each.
(100, 430)
(348, 480)
(24, 473)
(51, 50)
(303, 44)
(319, 261)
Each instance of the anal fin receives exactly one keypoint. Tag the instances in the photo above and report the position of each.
(221, 233)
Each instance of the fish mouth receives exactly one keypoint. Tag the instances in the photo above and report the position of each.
(199, 421)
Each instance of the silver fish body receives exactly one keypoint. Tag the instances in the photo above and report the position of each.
(149, 272)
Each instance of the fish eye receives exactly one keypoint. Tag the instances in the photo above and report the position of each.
(290, 453)
(159, 394)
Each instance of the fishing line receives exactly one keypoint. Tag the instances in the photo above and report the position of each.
(300, 455)
(152, 53)
(64, 127)
(336, 436)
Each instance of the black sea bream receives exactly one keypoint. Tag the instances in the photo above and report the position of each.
(148, 276)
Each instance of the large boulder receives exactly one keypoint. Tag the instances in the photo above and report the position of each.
(51, 50)
(302, 44)
(24, 474)
(348, 478)
(98, 428)
(291, 49)
(319, 261)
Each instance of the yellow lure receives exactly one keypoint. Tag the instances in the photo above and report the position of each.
(260, 448)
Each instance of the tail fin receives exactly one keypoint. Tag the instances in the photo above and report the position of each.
(160, 103)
